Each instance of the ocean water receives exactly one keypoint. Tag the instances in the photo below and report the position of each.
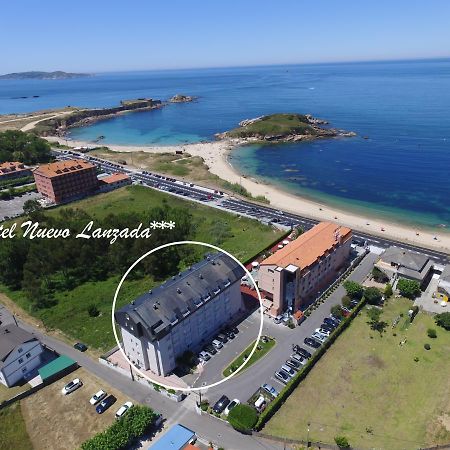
(397, 167)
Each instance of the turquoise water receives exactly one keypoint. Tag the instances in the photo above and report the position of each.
(400, 172)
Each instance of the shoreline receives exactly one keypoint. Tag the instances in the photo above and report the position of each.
(216, 156)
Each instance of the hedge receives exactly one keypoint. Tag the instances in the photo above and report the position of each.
(122, 432)
(275, 405)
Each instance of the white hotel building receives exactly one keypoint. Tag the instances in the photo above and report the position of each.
(183, 314)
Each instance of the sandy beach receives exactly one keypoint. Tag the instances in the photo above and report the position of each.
(216, 156)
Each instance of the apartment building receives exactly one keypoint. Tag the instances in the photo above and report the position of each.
(291, 277)
(114, 181)
(183, 314)
(63, 181)
(10, 170)
(20, 353)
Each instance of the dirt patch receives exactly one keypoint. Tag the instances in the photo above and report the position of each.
(64, 422)
(374, 361)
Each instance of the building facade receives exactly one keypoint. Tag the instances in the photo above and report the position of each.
(63, 181)
(11, 170)
(183, 314)
(291, 278)
(20, 353)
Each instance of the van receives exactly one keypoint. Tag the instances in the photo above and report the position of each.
(260, 402)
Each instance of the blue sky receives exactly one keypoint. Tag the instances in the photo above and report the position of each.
(100, 35)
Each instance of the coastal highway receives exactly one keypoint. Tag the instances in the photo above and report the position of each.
(217, 199)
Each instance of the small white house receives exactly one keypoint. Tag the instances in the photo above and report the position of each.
(20, 353)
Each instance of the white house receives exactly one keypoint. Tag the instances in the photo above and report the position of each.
(183, 314)
(20, 353)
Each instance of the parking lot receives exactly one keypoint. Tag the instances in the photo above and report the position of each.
(14, 207)
(73, 419)
(244, 385)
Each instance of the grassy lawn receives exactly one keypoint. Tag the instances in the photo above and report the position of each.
(7, 393)
(243, 238)
(73, 419)
(262, 349)
(370, 389)
(13, 434)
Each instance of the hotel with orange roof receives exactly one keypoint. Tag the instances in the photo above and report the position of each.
(292, 277)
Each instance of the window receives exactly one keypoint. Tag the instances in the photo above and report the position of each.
(24, 369)
(28, 355)
(20, 350)
(20, 360)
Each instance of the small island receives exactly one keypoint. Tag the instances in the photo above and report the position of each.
(36, 75)
(181, 98)
(282, 128)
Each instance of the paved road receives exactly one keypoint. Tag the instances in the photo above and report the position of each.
(206, 427)
(244, 385)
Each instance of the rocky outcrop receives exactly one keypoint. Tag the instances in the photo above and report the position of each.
(180, 98)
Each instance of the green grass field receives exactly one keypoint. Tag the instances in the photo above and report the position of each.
(262, 350)
(371, 390)
(242, 237)
(13, 434)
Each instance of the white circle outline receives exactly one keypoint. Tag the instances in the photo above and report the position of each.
(189, 389)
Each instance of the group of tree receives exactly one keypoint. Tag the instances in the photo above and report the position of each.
(27, 148)
(121, 433)
(443, 320)
(408, 288)
(40, 267)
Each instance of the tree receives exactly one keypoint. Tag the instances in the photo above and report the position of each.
(354, 289)
(375, 323)
(408, 288)
(31, 206)
(28, 148)
(336, 310)
(388, 290)
(443, 320)
(346, 301)
(373, 296)
(342, 442)
(243, 417)
(379, 276)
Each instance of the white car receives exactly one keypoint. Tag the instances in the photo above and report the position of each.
(322, 331)
(99, 396)
(231, 405)
(217, 344)
(123, 409)
(299, 358)
(319, 337)
(72, 386)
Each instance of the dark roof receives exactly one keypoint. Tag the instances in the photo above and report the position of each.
(11, 337)
(155, 312)
(405, 258)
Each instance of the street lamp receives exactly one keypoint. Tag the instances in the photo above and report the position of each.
(307, 436)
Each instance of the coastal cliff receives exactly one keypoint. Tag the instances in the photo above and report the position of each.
(282, 128)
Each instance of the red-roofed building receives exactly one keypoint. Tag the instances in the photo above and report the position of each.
(114, 181)
(293, 275)
(9, 170)
(62, 181)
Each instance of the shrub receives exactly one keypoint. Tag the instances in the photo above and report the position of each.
(443, 320)
(342, 442)
(408, 288)
(388, 290)
(431, 333)
(243, 418)
(337, 311)
(354, 289)
(373, 296)
(379, 275)
(93, 311)
(427, 346)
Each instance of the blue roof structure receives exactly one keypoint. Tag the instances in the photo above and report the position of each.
(175, 439)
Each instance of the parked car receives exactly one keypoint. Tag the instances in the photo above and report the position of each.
(302, 352)
(319, 337)
(231, 405)
(327, 327)
(336, 319)
(289, 370)
(260, 403)
(282, 376)
(312, 342)
(204, 356)
(71, 386)
(123, 409)
(100, 395)
(221, 404)
(222, 338)
(278, 319)
(322, 331)
(294, 364)
(105, 404)
(270, 390)
(81, 347)
(217, 344)
(299, 358)
(210, 349)
(229, 334)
